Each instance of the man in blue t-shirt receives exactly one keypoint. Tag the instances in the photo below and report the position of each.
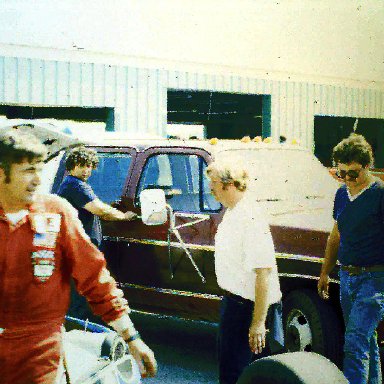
(357, 242)
(80, 163)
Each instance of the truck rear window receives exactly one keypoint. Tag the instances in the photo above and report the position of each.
(108, 180)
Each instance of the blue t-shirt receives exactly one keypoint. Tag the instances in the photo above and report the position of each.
(79, 193)
(361, 226)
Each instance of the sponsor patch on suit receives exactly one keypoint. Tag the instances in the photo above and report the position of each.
(43, 262)
(46, 222)
(46, 240)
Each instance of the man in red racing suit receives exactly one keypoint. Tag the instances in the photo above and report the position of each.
(43, 244)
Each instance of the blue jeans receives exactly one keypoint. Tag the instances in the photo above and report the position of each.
(362, 302)
(234, 352)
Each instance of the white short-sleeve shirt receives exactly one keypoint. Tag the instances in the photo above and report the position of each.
(243, 243)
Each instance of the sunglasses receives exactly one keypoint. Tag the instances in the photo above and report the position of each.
(352, 174)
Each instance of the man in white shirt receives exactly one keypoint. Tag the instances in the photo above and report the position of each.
(246, 269)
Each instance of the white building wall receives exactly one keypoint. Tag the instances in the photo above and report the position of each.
(139, 95)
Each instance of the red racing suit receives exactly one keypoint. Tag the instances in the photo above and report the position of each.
(38, 256)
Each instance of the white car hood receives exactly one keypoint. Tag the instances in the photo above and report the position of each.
(313, 214)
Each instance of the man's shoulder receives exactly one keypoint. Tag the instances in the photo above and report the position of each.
(253, 213)
(70, 181)
(251, 207)
(67, 184)
(74, 186)
(341, 192)
(52, 203)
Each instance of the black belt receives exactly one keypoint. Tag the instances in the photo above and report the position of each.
(237, 298)
(356, 270)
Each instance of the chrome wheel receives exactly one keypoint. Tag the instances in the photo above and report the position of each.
(298, 332)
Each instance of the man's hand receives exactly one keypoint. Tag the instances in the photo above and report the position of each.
(107, 212)
(129, 215)
(144, 357)
(120, 303)
(329, 263)
(256, 337)
(323, 286)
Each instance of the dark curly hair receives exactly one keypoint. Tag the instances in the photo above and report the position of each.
(17, 146)
(81, 156)
(353, 149)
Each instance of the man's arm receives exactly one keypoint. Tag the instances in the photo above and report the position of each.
(106, 212)
(257, 329)
(330, 259)
(88, 269)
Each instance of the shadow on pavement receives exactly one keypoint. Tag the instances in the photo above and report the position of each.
(185, 350)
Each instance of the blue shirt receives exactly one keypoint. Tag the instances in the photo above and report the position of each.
(79, 193)
(361, 226)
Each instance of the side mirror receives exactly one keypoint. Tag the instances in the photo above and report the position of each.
(153, 206)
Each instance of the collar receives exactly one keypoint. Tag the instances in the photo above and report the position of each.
(32, 208)
(74, 177)
(13, 226)
(354, 197)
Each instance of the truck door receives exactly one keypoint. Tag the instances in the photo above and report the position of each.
(109, 182)
(151, 259)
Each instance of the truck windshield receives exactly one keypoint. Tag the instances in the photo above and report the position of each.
(49, 172)
(108, 179)
(278, 174)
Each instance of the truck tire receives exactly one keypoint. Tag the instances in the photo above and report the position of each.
(312, 325)
(292, 368)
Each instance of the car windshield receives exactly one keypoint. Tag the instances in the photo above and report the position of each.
(279, 174)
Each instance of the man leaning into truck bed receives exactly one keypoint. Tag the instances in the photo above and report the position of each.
(79, 163)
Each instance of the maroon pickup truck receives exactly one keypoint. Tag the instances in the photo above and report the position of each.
(172, 272)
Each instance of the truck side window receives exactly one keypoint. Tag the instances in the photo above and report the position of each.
(183, 179)
(209, 202)
(109, 178)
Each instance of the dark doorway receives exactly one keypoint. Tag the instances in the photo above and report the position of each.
(81, 114)
(330, 130)
(224, 115)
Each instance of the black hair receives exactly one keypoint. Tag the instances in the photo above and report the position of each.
(353, 149)
(81, 156)
(16, 146)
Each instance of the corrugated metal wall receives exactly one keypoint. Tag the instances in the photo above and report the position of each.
(139, 95)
